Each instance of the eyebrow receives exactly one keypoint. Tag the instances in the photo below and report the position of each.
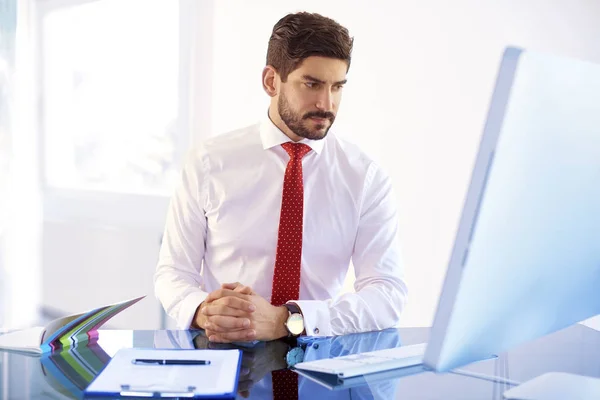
(313, 79)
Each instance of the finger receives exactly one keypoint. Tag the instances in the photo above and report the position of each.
(235, 302)
(221, 323)
(231, 286)
(220, 293)
(244, 385)
(218, 345)
(247, 365)
(219, 329)
(228, 337)
(247, 359)
(200, 342)
(243, 289)
(220, 309)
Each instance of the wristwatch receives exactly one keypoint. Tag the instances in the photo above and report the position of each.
(294, 356)
(295, 320)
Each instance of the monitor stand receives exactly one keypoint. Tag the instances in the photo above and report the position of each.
(556, 386)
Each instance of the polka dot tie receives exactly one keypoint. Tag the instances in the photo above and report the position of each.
(286, 278)
(285, 385)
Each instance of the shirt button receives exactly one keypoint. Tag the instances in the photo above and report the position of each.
(316, 331)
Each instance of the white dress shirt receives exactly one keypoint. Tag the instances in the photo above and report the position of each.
(223, 221)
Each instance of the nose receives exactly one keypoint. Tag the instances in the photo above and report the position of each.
(325, 101)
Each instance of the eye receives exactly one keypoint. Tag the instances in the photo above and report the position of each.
(338, 87)
(312, 85)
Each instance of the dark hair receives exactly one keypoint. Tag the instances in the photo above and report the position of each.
(298, 36)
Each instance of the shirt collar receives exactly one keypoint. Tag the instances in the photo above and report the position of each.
(272, 136)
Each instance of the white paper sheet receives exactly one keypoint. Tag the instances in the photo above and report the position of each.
(217, 378)
(26, 340)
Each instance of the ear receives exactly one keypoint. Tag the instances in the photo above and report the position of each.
(269, 81)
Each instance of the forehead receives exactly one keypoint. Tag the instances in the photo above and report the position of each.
(323, 68)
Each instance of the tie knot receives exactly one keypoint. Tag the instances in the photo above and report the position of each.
(296, 150)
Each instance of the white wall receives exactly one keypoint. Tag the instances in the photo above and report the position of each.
(417, 96)
(88, 264)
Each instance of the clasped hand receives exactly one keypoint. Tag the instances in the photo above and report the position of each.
(234, 313)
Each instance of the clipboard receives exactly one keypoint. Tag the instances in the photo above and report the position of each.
(124, 377)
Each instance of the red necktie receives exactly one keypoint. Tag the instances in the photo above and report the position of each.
(286, 278)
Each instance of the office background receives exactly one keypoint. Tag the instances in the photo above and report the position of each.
(100, 100)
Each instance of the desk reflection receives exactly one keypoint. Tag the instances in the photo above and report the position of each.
(262, 358)
(66, 374)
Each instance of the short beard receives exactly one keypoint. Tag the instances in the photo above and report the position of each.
(297, 125)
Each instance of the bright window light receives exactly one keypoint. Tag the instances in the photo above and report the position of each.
(110, 96)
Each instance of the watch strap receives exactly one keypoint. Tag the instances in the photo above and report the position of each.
(293, 308)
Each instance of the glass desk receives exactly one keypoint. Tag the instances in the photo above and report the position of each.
(65, 375)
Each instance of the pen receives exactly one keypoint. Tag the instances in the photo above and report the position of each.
(170, 362)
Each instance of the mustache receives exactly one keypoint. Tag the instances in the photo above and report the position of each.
(320, 114)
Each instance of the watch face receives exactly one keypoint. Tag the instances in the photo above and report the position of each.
(294, 356)
(295, 324)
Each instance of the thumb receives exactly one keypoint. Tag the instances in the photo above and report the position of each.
(231, 286)
(244, 290)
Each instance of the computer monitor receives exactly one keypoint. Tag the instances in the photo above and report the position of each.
(526, 257)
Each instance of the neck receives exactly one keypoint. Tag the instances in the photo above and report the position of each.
(276, 119)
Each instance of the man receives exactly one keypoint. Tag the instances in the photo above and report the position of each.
(282, 207)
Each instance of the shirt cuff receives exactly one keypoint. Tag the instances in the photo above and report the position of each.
(188, 308)
(317, 321)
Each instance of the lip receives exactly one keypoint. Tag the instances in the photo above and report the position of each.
(317, 119)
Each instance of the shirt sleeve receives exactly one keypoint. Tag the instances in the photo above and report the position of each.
(380, 291)
(178, 279)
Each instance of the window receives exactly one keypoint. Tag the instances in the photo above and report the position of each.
(110, 90)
